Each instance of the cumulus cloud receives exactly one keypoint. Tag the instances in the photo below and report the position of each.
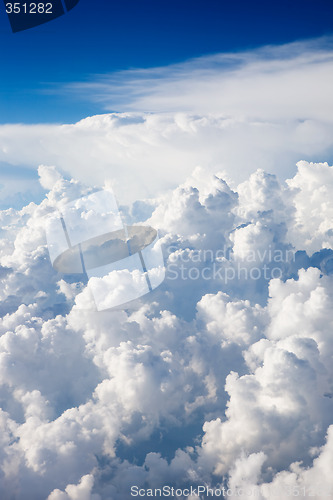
(48, 176)
(287, 385)
(206, 380)
(82, 491)
(313, 206)
(311, 482)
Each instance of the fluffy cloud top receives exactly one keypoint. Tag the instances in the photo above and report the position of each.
(222, 376)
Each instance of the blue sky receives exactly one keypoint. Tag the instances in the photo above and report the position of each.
(101, 37)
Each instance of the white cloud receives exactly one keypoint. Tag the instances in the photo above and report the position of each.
(227, 375)
(313, 204)
(266, 108)
(312, 482)
(48, 176)
(82, 491)
(197, 380)
(287, 82)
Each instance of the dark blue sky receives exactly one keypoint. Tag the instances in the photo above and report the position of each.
(101, 36)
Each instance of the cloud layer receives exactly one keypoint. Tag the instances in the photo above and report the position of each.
(234, 113)
(221, 377)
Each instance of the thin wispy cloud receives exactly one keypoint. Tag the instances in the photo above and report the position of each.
(291, 81)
